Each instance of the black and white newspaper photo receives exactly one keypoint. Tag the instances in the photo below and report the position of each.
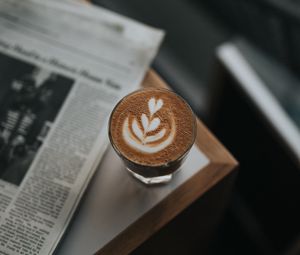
(30, 99)
(58, 84)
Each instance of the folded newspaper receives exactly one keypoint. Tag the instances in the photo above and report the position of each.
(62, 68)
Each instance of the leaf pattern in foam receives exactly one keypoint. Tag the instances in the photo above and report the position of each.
(153, 138)
(145, 122)
(136, 129)
(153, 124)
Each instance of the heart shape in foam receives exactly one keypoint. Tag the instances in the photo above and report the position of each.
(154, 105)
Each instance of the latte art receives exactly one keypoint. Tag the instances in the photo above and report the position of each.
(140, 137)
(152, 127)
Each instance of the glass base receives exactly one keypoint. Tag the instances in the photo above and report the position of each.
(151, 180)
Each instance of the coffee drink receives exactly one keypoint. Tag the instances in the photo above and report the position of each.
(152, 130)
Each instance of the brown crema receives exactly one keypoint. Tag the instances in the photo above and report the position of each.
(159, 127)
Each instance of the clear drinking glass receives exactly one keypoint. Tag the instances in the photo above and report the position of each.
(157, 173)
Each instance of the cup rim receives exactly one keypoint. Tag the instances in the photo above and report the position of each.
(182, 155)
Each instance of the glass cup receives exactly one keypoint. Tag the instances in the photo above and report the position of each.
(153, 174)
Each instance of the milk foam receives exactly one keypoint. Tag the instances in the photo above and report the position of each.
(138, 137)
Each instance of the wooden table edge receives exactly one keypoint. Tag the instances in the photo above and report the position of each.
(221, 164)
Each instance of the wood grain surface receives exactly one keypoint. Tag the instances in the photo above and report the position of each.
(222, 163)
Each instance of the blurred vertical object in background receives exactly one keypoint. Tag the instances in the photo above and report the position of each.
(273, 25)
(250, 116)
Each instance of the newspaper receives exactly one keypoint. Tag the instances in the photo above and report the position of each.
(61, 72)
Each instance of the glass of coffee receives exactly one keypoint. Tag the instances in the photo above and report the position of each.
(152, 130)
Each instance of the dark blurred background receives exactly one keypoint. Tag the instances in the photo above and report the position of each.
(260, 128)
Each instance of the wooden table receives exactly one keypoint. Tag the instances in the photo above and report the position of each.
(118, 213)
